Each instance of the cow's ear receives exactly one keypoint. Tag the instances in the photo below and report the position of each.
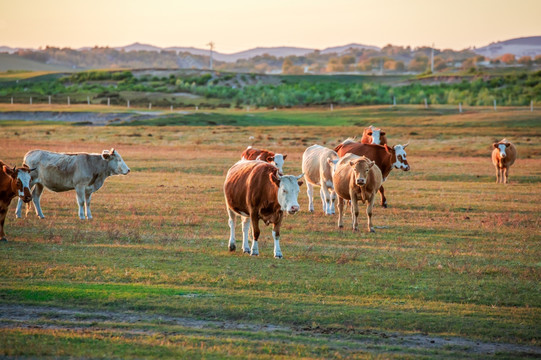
(274, 179)
(8, 171)
(351, 163)
(105, 155)
(382, 133)
(300, 182)
(270, 158)
(285, 156)
(371, 163)
(507, 145)
(495, 145)
(387, 149)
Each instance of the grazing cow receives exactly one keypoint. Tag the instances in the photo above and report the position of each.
(386, 158)
(265, 155)
(318, 162)
(255, 190)
(373, 135)
(356, 178)
(13, 182)
(83, 172)
(503, 156)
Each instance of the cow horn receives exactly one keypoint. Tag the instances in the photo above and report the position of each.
(300, 176)
(404, 146)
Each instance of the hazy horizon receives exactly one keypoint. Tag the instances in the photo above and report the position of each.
(240, 25)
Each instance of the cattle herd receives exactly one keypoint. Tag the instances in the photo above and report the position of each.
(255, 187)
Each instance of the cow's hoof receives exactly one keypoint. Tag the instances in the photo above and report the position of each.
(371, 230)
(384, 205)
(254, 254)
(340, 226)
(355, 229)
(3, 239)
(278, 256)
(232, 247)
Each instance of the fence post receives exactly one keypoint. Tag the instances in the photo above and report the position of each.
(30, 100)
(108, 101)
(531, 106)
(394, 101)
(68, 101)
(49, 99)
(196, 108)
(171, 107)
(426, 103)
(88, 100)
(331, 107)
(494, 104)
(12, 100)
(128, 104)
(149, 106)
(460, 108)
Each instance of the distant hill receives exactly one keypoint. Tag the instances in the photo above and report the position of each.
(525, 46)
(345, 48)
(14, 62)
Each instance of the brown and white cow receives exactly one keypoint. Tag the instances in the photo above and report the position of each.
(13, 182)
(373, 135)
(318, 163)
(386, 158)
(264, 155)
(503, 156)
(60, 172)
(356, 178)
(255, 191)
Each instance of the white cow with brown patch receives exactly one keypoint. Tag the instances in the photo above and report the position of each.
(356, 178)
(503, 156)
(318, 163)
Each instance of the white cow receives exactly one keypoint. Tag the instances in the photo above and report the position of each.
(59, 172)
(318, 164)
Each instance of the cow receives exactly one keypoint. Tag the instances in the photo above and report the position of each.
(503, 156)
(318, 163)
(373, 135)
(13, 182)
(255, 191)
(60, 172)
(265, 155)
(356, 178)
(386, 158)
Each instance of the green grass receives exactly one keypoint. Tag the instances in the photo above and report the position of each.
(457, 261)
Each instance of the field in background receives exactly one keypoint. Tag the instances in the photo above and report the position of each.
(454, 273)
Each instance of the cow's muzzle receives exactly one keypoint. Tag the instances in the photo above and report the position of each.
(293, 209)
(407, 168)
(361, 181)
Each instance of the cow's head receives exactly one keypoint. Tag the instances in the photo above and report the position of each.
(332, 163)
(278, 160)
(361, 168)
(288, 191)
(375, 133)
(399, 153)
(21, 177)
(116, 163)
(501, 147)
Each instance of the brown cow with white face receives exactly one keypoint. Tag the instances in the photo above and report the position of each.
(13, 182)
(255, 191)
(386, 158)
(503, 156)
(356, 178)
(374, 135)
(264, 155)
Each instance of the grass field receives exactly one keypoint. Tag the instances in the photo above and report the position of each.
(453, 273)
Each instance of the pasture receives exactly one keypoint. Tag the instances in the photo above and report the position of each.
(453, 273)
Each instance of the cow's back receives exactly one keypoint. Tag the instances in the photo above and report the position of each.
(376, 153)
(248, 184)
(315, 165)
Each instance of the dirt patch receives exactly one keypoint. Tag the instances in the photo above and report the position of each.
(90, 118)
(22, 316)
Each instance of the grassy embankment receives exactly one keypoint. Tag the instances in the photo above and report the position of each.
(458, 259)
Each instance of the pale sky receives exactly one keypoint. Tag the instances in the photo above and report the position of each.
(236, 25)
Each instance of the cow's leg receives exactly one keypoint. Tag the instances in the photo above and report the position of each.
(333, 201)
(505, 172)
(369, 206)
(310, 192)
(88, 197)
(3, 213)
(341, 203)
(276, 237)
(36, 199)
(354, 211)
(326, 198)
(232, 218)
(80, 192)
(255, 233)
(245, 234)
(18, 214)
(383, 198)
(498, 174)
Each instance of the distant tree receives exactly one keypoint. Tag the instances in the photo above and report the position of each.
(508, 58)
(525, 60)
(418, 64)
